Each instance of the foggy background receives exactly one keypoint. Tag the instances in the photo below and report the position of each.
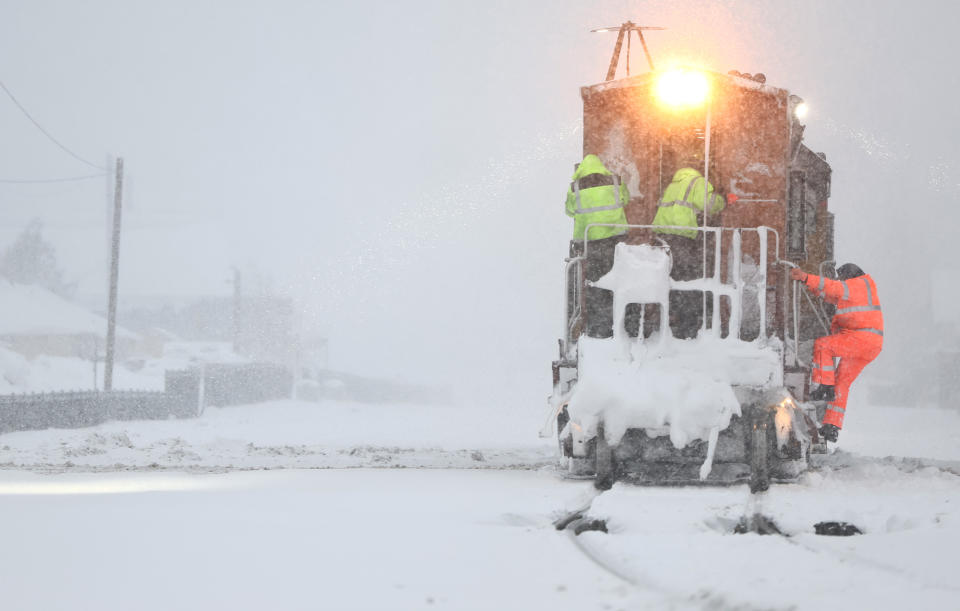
(399, 169)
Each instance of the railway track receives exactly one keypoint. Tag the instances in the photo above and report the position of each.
(830, 555)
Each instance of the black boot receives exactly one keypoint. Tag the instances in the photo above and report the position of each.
(830, 432)
(824, 392)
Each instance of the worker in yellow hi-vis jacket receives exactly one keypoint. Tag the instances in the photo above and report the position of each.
(597, 195)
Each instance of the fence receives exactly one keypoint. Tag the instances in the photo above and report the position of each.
(244, 383)
(183, 397)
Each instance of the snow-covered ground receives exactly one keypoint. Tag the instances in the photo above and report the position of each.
(679, 541)
(331, 539)
(294, 434)
(180, 514)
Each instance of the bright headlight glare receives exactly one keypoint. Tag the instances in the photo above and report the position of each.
(800, 110)
(680, 88)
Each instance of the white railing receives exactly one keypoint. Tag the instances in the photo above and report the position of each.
(733, 289)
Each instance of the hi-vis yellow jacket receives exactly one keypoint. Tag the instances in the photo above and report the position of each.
(596, 195)
(681, 201)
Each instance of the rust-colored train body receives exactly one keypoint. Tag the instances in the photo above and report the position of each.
(756, 153)
(747, 138)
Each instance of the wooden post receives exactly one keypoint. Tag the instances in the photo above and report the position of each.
(646, 51)
(629, 36)
(612, 70)
(114, 273)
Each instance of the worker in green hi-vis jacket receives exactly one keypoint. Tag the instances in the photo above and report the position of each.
(680, 207)
(597, 195)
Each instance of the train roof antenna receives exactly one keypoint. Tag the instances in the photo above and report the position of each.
(626, 28)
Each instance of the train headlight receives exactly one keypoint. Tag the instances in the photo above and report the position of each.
(682, 88)
(800, 110)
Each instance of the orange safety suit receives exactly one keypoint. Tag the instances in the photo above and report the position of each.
(856, 337)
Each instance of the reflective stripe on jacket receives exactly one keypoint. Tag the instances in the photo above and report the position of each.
(858, 305)
(596, 195)
(681, 201)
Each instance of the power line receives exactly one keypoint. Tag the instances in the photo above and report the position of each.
(46, 133)
(11, 181)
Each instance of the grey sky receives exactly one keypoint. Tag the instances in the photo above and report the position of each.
(399, 167)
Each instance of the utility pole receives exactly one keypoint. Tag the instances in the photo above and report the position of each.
(114, 273)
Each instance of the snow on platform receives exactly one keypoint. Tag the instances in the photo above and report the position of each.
(682, 386)
(683, 389)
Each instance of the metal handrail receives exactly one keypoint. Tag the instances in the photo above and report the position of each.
(570, 321)
(818, 311)
(817, 308)
(684, 228)
(795, 299)
(761, 231)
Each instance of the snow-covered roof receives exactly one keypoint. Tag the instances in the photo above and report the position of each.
(27, 309)
(638, 80)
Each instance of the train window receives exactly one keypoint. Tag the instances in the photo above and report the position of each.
(686, 148)
(796, 213)
(811, 203)
(830, 255)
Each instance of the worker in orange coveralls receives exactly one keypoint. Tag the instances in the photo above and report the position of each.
(856, 338)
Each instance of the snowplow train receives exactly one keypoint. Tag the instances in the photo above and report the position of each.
(703, 377)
